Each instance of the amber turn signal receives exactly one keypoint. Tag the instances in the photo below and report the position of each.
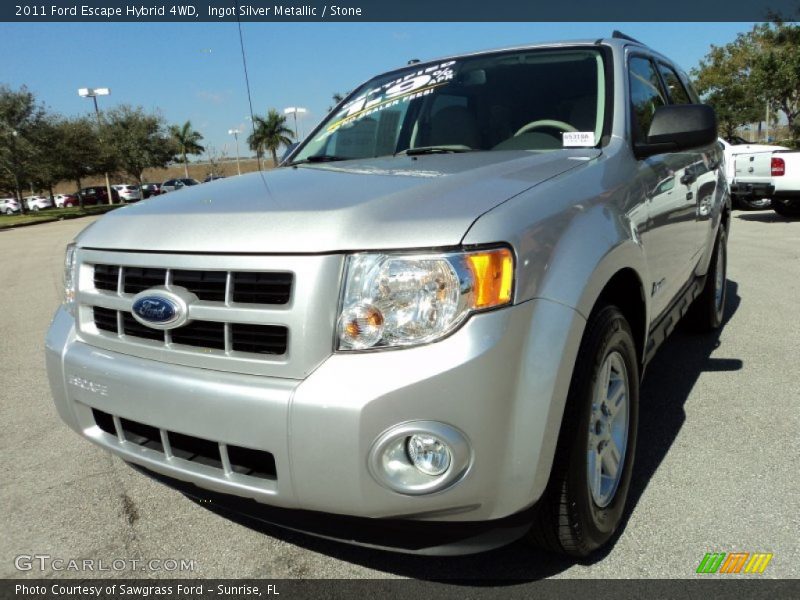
(492, 273)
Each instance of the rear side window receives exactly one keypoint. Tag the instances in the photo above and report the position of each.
(646, 96)
(677, 92)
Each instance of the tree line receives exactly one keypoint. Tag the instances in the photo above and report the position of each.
(760, 69)
(39, 149)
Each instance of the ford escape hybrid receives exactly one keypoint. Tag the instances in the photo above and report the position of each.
(431, 321)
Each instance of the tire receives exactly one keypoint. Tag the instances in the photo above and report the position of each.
(786, 208)
(9, 212)
(708, 309)
(35, 208)
(578, 513)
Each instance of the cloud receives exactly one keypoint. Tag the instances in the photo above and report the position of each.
(216, 98)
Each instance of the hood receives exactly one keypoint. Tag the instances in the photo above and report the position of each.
(382, 203)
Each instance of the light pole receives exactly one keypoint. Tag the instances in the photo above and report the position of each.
(235, 133)
(294, 110)
(93, 93)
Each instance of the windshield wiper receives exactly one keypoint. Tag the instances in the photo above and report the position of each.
(318, 158)
(452, 148)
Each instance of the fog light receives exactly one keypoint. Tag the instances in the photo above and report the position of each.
(428, 454)
(420, 457)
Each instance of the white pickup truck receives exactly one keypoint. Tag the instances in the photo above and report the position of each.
(733, 148)
(773, 175)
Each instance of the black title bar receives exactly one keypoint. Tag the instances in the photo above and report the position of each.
(190, 11)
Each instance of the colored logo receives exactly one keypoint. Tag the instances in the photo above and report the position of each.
(155, 309)
(160, 308)
(734, 562)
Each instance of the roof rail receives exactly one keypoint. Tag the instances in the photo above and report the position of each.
(617, 34)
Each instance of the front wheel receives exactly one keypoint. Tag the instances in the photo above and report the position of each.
(584, 502)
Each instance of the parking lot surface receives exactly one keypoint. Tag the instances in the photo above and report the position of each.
(716, 467)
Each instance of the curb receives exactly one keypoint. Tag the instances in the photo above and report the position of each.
(55, 219)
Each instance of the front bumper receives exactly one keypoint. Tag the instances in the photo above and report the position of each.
(501, 380)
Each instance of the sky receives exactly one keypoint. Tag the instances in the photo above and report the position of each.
(194, 71)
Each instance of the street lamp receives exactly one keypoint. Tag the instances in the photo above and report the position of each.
(235, 133)
(93, 93)
(295, 110)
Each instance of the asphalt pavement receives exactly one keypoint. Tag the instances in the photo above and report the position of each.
(716, 467)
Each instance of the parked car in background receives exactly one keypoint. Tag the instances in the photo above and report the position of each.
(37, 203)
(65, 200)
(212, 178)
(150, 189)
(732, 148)
(774, 175)
(8, 206)
(128, 192)
(176, 184)
(97, 194)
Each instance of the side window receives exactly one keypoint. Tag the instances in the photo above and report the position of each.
(665, 186)
(677, 92)
(687, 83)
(646, 95)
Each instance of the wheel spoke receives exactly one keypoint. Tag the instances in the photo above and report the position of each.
(601, 389)
(596, 472)
(610, 457)
(615, 396)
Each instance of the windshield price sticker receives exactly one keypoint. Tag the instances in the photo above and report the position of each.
(578, 138)
(402, 89)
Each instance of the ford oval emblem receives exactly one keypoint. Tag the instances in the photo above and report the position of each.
(162, 307)
(156, 309)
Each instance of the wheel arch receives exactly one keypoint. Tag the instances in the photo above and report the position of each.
(621, 278)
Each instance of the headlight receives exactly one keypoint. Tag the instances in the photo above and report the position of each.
(392, 300)
(69, 277)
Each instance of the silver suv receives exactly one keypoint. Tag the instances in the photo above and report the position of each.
(432, 322)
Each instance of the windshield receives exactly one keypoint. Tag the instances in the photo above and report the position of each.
(523, 100)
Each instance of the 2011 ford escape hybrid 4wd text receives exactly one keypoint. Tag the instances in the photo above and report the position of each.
(426, 331)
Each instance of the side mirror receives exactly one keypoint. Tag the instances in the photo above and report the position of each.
(679, 127)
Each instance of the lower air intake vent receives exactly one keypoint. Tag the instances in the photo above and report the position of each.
(243, 461)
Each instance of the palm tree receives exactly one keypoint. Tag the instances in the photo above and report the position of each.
(269, 134)
(188, 142)
(337, 97)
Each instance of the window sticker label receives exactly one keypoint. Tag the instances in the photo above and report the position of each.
(402, 89)
(578, 138)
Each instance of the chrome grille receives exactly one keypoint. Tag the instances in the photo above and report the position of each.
(245, 287)
(135, 279)
(132, 327)
(262, 288)
(261, 315)
(106, 277)
(242, 337)
(207, 285)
